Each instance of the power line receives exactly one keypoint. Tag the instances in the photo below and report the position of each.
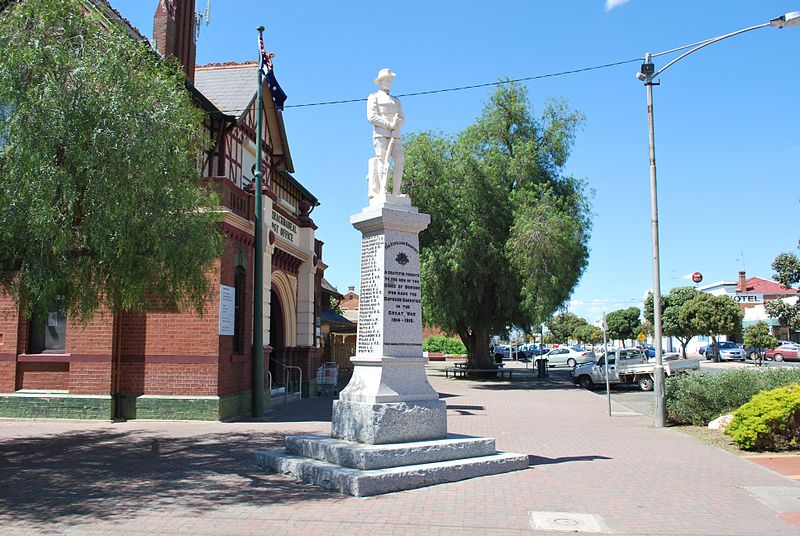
(474, 86)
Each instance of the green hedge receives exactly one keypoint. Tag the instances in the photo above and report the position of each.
(700, 397)
(445, 345)
(770, 421)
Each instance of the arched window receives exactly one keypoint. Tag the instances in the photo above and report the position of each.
(240, 288)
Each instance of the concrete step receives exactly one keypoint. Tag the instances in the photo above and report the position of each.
(364, 456)
(360, 483)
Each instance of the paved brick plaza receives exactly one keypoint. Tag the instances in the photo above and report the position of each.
(139, 477)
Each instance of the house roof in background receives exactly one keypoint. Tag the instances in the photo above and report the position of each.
(766, 286)
(230, 86)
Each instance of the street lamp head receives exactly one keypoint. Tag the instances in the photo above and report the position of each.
(785, 21)
(647, 71)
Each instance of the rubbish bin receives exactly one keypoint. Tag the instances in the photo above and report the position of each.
(541, 367)
(498, 358)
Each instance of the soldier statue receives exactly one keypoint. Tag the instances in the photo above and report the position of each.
(386, 115)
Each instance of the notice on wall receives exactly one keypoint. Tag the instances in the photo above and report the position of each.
(227, 309)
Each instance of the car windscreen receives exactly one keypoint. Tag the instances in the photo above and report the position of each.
(725, 344)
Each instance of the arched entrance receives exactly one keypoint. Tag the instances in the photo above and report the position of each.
(276, 334)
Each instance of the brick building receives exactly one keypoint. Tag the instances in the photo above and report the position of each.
(751, 293)
(171, 364)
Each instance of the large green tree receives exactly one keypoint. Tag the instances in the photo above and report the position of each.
(624, 324)
(712, 315)
(787, 273)
(672, 324)
(588, 334)
(760, 337)
(565, 326)
(101, 202)
(509, 232)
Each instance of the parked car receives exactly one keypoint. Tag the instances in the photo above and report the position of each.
(784, 352)
(649, 349)
(728, 351)
(627, 365)
(529, 351)
(568, 356)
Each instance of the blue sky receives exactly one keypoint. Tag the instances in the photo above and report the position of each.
(727, 138)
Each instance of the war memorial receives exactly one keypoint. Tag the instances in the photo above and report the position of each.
(389, 427)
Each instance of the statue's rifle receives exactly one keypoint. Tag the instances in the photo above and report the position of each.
(386, 161)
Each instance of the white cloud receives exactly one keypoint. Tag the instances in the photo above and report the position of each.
(611, 4)
(687, 276)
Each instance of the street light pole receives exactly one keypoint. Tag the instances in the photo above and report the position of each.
(647, 75)
(661, 411)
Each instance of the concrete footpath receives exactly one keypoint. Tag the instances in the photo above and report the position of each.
(615, 475)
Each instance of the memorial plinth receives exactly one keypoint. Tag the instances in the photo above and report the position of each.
(389, 399)
(389, 428)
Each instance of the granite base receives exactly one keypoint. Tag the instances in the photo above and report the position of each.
(394, 422)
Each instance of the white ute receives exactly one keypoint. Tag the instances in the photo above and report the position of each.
(629, 365)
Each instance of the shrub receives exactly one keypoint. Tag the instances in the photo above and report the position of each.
(770, 421)
(446, 345)
(700, 397)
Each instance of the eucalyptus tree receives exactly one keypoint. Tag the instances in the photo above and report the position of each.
(509, 232)
(101, 202)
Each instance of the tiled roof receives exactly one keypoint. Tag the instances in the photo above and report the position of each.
(758, 284)
(230, 86)
(330, 288)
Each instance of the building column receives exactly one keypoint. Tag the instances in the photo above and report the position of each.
(306, 285)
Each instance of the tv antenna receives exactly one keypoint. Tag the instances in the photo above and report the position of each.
(200, 17)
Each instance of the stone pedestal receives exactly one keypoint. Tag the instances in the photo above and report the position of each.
(389, 428)
(389, 399)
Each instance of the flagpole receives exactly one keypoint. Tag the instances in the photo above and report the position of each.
(258, 268)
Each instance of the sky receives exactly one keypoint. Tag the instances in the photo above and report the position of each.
(726, 118)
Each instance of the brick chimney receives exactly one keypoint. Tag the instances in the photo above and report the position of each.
(173, 32)
(741, 286)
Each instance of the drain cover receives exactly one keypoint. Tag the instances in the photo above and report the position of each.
(567, 522)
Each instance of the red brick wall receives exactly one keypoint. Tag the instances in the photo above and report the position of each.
(86, 342)
(8, 376)
(43, 376)
(235, 370)
(90, 378)
(9, 328)
(171, 352)
(172, 379)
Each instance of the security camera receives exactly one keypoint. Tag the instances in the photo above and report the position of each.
(641, 76)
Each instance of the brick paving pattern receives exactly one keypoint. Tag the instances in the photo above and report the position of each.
(788, 465)
(72, 477)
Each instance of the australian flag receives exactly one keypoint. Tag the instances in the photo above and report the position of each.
(278, 96)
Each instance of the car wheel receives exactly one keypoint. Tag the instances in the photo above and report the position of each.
(753, 355)
(646, 383)
(571, 363)
(778, 357)
(586, 382)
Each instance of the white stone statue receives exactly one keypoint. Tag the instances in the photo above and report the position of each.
(386, 115)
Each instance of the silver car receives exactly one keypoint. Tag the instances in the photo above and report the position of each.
(568, 356)
(728, 351)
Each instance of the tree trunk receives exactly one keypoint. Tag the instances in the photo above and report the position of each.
(716, 348)
(477, 342)
(683, 345)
